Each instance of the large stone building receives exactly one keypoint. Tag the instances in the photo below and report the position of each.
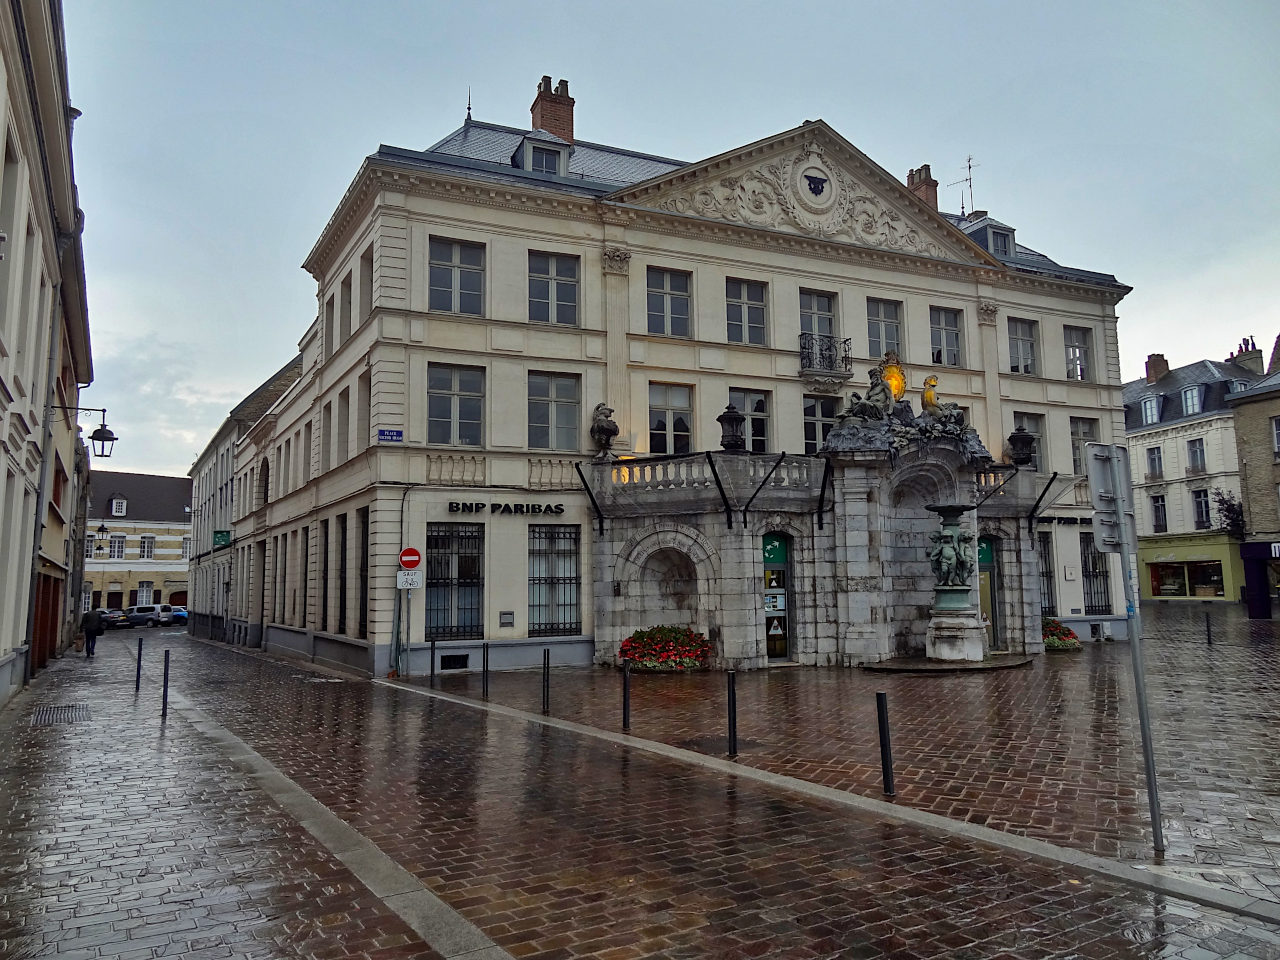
(1182, 450)
(1257, 426)
(139, 541)
(212, 479)
(478, 300)
(44, 345)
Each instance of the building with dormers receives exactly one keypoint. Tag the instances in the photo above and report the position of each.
(1182, 449)
(478, 299)
(138, 543)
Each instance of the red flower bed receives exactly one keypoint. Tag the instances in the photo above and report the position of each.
(665, 648)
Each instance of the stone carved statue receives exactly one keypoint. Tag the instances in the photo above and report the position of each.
(876, 404)
(603, 429)
(931, 406)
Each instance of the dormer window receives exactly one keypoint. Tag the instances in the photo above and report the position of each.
(1237, 385)
(1191, 400)
(540, 154)
(1001, 243)
(118, 506)
(1150, 410)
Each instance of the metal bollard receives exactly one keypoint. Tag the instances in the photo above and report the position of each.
(886, 750)
(164, 708)
(733, 713)
(137, 677)
(1208, 630)
(433, 664)
(626, 694)
(484, 673)
(546, 680)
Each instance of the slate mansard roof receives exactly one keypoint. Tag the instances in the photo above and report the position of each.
(485, 151)
(150, 497)
(1215, 376)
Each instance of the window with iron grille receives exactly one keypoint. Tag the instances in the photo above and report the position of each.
(884, 332)
(1083, 431)
(668, 302)
(1079, 348)
(553, 289)
(944, 336)
(745, 311)
(453, 575)
(457, 277)
(754, 404)
(819, 417)
(554, 581)
(1097, 578)
(1022, 346)
(1044, 553)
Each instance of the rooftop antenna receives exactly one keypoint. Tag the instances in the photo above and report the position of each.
(468, 104)
(967, 178)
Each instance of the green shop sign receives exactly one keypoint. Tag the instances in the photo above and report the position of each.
(222, 538)
(775, 548)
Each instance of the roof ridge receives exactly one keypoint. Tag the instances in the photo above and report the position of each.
(577, 143)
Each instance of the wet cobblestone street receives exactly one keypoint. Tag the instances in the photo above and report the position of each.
(555, 844)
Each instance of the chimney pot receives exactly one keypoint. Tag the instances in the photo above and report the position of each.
(1157, 367)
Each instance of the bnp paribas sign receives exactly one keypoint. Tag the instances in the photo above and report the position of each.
(222, 538)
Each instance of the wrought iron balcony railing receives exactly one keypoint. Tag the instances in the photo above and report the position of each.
(828, 354)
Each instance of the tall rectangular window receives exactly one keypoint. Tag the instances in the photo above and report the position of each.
(1079, 346)
(324, 575)
(1096, 575)
(944, 336)
(186, 548)
(1084, 430)
(455, 405)
(819, 417)
(1155, 463)
(670, 418)
(1159, 518)
(117, 547)
(285, 455)
(884, 327)
(344, 585)
(1048, 567)
(453, 575)
(1033, 423)
(326, 437)
(1191, 400)
(457, 277)
(305, 452)
(282, 574)
(553, 289)
(362, 607)
(330, 329)
(145, 590)
(1150, 410)
(88, 546)
(344, 426)
(554, 581)
(147, 547)
(1275, 435)
(364, 409)
(1022, 346)
(1200, 508)
(366, 286)
(553, 411)
(818, 313)
(668, 302)
(754, 404)
(745, 311)
(344, 308)
(304, 572)
(1195, 456)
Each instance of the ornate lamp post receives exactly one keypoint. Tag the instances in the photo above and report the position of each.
(731, 422)
(1021, 446)
(102, 439)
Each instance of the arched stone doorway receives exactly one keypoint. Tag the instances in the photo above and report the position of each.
(669, 587)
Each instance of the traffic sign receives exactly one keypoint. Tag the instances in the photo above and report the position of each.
(410, 558)
(408, 579)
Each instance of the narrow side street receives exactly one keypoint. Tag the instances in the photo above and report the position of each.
(136, 838)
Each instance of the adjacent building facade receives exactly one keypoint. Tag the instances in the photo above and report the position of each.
(138, 546)
(44, 346)
(213, 495)
(1257, 425)
(480, 300)
(1181, 436)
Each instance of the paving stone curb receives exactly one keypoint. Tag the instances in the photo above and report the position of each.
(1147, 879)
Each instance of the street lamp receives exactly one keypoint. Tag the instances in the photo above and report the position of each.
(102, 439)
(102, 532)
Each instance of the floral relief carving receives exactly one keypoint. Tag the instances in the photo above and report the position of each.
(987, 311)
(617, 260)
(806, 193)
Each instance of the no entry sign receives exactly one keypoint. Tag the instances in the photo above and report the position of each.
(410, 558)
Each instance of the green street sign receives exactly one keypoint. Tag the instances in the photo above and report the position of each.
(222, 538)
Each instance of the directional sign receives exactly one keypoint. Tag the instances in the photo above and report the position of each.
(408, 579)
(410, 558)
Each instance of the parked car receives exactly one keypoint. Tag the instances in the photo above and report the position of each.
(179, 614)
(151, 615)
(113, 619)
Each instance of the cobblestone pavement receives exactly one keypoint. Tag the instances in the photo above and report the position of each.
(1050, 751)
(560, 845)
(121, 837)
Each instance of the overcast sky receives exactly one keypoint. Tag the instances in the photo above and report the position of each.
(1138, 139)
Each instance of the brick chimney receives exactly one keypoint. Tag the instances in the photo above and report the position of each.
(1248, 356)
(553, 109)
(921, 183)
(1157, 367)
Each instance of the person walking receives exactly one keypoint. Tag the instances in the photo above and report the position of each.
(91, 625)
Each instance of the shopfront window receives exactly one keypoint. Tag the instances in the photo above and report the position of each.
(1168, 580)
(1201, 579)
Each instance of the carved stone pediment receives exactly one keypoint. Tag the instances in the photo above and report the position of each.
(810, 190)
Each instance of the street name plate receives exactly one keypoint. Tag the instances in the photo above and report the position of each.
(390, 436)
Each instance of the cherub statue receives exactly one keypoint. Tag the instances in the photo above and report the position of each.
(603, 429)
(943, 556)
(878, 401)
(964, 558)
